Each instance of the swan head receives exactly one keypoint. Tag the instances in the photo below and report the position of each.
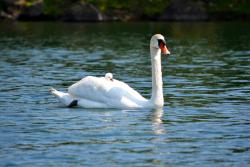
(158, 42)
(109, 76)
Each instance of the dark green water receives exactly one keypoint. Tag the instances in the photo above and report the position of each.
(205, 121)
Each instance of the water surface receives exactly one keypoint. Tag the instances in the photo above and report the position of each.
(205, 120)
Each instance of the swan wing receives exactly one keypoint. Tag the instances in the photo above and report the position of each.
(102, 90)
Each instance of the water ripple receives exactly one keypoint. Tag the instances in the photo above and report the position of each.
(206, 89)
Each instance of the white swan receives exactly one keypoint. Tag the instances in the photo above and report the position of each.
(109, 76)
(98, 92)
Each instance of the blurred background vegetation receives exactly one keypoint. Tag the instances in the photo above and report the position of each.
(105, 10)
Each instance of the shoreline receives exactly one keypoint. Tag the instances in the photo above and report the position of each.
(84, 11)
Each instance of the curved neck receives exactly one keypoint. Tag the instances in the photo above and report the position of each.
(157, 93)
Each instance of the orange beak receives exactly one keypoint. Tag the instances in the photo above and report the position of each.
(164, 49)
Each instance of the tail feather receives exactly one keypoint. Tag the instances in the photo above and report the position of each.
(52, 89)
(64, 98)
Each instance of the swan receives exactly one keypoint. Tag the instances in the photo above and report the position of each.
(109, 76)
(98, 92)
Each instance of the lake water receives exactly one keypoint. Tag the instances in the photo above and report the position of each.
(205, 120)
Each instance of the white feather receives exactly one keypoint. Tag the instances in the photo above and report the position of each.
(100, 92)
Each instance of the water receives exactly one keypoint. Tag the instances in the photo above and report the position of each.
(205, 121)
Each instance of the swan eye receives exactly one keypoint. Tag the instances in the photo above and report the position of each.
(161, 43)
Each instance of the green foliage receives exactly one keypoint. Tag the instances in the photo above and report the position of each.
(57, 7)
(30, 2)
(233, 6)
(129, 7)
(53, 7)
(139, 7)
(133, 8)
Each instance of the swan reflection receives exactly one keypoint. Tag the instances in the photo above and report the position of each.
(157, 125)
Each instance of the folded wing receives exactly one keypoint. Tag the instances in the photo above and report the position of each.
(104, 91)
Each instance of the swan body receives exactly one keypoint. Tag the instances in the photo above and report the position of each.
(99, 92)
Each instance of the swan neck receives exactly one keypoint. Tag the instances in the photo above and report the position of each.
(157, 92)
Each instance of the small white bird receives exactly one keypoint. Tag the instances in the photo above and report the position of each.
(109, 76)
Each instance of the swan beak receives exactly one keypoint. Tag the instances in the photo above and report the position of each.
(164, 50)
